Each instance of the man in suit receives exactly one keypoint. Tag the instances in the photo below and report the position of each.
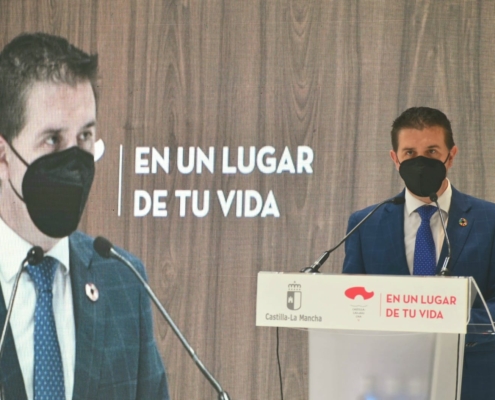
(81, 326)
(393, 241)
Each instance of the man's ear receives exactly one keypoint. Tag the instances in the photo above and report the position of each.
(4, 164)
(393, 156)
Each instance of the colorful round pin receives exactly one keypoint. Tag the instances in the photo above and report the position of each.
(463, 222)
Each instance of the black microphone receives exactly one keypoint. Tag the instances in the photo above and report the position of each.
(106, 250)
(314, 268)
(444, 271)
(33, 257)
(102, 246)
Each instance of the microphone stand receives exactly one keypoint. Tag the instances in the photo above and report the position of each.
(444, 271)
(7, 318)
(314, 268)
(222, 395)
(11, 305)
(33, 257)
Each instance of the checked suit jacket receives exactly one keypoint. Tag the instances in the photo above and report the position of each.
(116, 354)
(377, 247)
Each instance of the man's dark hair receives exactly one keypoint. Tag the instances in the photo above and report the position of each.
(420, 118)
(38, 57)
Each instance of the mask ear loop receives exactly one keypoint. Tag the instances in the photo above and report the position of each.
(396, 155)
(447, 159)
(16, 152)
(22, 160)
(16, 192)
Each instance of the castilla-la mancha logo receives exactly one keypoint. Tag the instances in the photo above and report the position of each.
(294, 296)
(359, 295)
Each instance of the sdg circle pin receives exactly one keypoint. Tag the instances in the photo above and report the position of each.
(92, 291)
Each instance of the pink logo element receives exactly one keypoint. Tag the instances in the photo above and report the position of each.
(355, 291)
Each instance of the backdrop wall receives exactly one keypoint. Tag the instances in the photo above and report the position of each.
(320, 83)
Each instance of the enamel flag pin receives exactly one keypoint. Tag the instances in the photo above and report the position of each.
(92, 292)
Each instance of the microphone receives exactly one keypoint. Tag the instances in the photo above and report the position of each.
(314, 268)
(444, 271)
(106, 250)
(33, 257)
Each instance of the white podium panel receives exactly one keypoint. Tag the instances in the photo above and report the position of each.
(363, 302)
(361, 365)
(376, 337)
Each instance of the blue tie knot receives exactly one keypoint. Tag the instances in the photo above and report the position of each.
(425, 212)
(43, 273)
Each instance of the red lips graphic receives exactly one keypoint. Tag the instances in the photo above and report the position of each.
(355, 291)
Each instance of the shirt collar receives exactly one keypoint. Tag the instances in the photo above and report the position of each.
(412, 203)
(13, 250)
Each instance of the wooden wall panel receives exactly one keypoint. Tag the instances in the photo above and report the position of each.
(331, 75)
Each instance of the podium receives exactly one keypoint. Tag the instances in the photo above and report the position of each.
(376, 337)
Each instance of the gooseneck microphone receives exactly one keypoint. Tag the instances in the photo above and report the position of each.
(444, 271)
(105, 249)
(33, 257)
(314, 268)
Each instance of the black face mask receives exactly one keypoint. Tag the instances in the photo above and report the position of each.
(422, 175)
(55, 189)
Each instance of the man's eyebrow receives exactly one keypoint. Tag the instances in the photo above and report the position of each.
(51, 131)
(433, 146)
(89, 124)
(58, 131)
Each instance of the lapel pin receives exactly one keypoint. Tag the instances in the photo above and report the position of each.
(463, 222)
(92, 292)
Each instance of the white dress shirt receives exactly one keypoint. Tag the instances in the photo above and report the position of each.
(13, 250)
(412, 221)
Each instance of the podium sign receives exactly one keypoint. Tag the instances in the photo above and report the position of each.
(363, 302)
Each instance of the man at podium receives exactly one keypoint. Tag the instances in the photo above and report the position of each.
(409, 239)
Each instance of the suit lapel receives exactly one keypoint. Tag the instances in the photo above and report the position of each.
(390, 237)
(10, 370)
(459, 208)
(89, 318)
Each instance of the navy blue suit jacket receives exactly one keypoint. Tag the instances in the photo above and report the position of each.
(116, 354)
(377, 247)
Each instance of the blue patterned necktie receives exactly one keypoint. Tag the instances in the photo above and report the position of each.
(425, 255)
(48, 370)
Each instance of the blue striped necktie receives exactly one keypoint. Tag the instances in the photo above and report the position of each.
(48, 370)
(425, 255)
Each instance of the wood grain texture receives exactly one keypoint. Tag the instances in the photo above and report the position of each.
(331, 75)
